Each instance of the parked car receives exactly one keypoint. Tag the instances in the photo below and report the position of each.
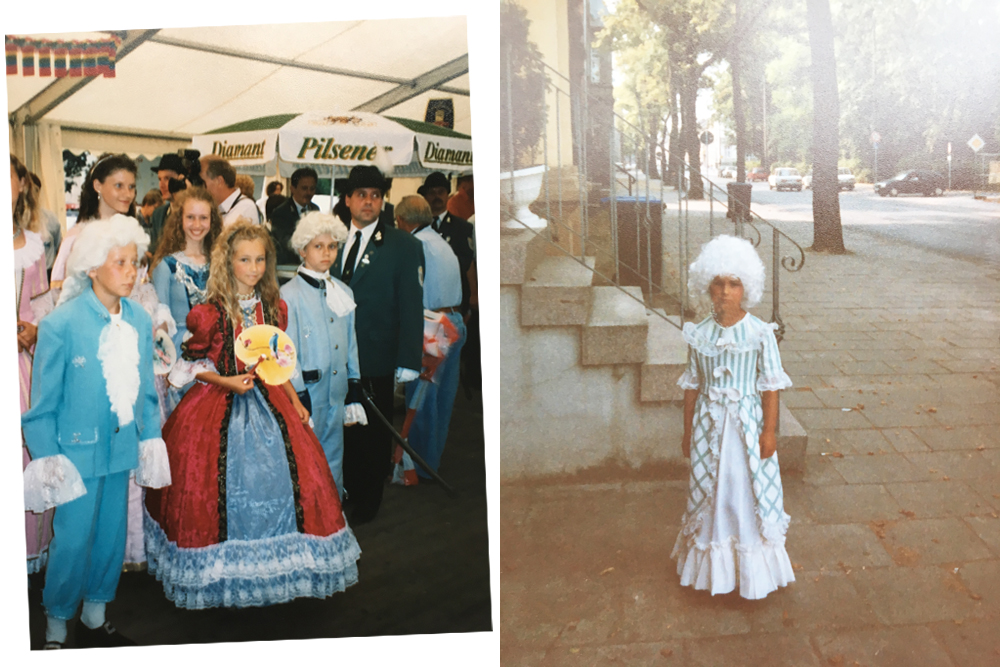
(807, 180)
(757, 174)
(785, 178)
(914, 181)
(727, 171)
(845, 179)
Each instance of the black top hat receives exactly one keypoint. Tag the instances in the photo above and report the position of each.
(434, 180)
(170, 161)
(363, 176)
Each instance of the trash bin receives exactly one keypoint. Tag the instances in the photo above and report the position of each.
(739, 199)
(640, 250)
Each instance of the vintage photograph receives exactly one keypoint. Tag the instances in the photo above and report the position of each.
(750, 318)
(247, 305)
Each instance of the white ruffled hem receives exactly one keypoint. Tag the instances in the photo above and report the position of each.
(38, 563)
(50, 481)
(719, 567)
(184, 372)
(254, 573)
(154, 466)
(354, 413)
(688, 381)
(774, 382)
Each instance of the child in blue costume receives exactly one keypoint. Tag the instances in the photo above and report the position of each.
(95, 417)
(321, 326)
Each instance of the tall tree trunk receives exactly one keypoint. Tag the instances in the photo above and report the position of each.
(735, 65)
(828, 235)
(674, 149)
(689, 130)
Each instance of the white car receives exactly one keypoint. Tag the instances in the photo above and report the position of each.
(785, 178)
(845, 179)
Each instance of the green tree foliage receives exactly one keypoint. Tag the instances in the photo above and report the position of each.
(522, 111)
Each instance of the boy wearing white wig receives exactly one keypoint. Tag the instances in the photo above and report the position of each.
(94, 418)
(733, 530)
(321, 326)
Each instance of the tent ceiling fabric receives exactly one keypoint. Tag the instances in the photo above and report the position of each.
(163, 89)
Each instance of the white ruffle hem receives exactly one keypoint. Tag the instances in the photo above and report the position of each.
(726, 544)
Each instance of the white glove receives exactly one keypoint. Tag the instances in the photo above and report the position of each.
(404, 375)
(50, 481)
(354, 413)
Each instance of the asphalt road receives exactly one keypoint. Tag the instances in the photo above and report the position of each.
(955, 224)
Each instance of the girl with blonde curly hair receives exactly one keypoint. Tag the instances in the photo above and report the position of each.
(733, 530)
(266, 525)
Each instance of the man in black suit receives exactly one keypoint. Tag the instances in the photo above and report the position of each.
(285, 217)
(170, 168)
(384, 267)
(460, 235)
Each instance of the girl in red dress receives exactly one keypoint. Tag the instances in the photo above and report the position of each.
(253, 516)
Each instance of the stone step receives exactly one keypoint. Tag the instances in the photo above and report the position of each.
(558, 293)
(666, 358)
(520, 252)
(616, 329)
(792, 441)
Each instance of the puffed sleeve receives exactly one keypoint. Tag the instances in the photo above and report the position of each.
(161, 281)
(689, 379)
(770, 375)
(201, 349)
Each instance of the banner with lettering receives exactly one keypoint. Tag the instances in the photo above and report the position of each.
(87, 57)
(240, 148)
(444, 153)
(346, 139)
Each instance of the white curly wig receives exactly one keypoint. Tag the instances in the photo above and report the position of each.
(91, 248)
(728, 256)
(314, 223)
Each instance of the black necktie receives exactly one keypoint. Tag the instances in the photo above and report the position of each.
(348, 269)
(437, 224)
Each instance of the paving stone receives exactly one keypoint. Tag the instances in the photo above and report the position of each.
(988, 530)
(935, 499)
(885, 647)
(852, 503)
(865, 368)
(800, 399)
(819, 471)
(982, 578)
(847, 441)
(886, 416)
(988, 488)
(933, 541)
(904, 440)
(878, 381)
(827, 546)
(661, 654)
(832, 356)
(789, 650)
(880, 468)
(959, 437)
(969, 414)
(954, 464)
(974, 642)
(810, 368)
(830, 418)
(906, 595)
(841, 398)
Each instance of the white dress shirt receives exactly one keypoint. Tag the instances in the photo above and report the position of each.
(235, 206)
(366, 235)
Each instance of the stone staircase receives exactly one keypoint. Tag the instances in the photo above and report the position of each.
(588, 374)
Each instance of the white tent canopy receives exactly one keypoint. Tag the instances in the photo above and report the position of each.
(176, 83)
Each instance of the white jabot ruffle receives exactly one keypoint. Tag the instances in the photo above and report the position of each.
(118, 351)
(28, 254)
(185, 372)
(354, 413)
(337, 298)
(50, 481)
(154, 466)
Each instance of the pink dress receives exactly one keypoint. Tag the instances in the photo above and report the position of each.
(33, 302)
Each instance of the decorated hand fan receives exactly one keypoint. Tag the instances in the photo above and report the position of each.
(268, 351)
(164, 353)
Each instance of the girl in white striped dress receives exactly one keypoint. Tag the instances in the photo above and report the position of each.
(733, 531)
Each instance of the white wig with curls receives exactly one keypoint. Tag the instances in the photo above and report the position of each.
(728, 256)
(91, 248)
(314, 223)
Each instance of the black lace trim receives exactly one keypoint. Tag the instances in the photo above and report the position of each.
(223, 455)
(293, 468)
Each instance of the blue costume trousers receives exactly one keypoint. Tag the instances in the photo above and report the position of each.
(429, 430)
(88, 547)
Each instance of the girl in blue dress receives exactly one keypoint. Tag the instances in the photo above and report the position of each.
(180, 266)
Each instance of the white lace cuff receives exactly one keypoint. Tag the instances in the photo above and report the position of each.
(154, 466)
(164, 316)
(50, 481)
(687, 381)
(185, 372)
(774, 382)
(354, 413)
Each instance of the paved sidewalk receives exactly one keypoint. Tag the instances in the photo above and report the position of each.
(895, 533)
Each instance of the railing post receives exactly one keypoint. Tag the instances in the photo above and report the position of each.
(613, 200)
(775, 278)
(559, 157)
(510, 126)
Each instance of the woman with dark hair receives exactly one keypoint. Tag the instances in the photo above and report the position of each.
(109, 189)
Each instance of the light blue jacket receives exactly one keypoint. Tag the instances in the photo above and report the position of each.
(70, 410)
